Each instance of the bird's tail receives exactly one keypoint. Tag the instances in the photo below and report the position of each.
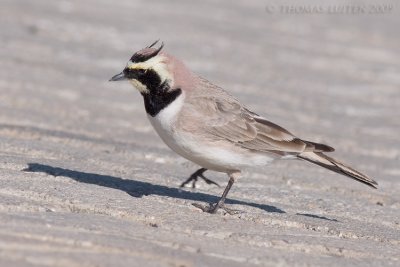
(332, 164)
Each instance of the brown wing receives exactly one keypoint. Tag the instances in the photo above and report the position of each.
(228, 120)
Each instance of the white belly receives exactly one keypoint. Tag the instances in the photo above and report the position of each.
(214, 156)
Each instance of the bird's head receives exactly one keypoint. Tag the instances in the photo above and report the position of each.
(151, 70)
(159, 77)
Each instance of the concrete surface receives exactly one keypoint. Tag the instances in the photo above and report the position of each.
(85, 181)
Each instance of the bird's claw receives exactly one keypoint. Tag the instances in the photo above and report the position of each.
(214, 207)
(195, 177)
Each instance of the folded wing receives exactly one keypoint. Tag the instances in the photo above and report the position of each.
(246, 129)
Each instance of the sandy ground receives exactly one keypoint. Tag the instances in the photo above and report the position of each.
(85, 181)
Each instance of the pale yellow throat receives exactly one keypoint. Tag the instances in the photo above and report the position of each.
(139, 86)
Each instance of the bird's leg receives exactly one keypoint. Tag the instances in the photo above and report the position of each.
(194, 178)
(213, 208)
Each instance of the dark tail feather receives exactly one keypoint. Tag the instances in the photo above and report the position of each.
(332, 164)
(317, 147)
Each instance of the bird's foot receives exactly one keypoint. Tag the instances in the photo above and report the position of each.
(214, 207)
(195, 177)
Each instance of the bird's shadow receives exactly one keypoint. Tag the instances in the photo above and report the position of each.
(138, 188)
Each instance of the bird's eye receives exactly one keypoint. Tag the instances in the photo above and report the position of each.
(141, 71)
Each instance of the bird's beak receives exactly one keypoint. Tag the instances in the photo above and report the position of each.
(118, 77)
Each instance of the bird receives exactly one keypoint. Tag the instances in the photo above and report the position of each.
(205, 124)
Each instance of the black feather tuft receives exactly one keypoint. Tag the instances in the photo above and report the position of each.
(153, 44)
(146, 53)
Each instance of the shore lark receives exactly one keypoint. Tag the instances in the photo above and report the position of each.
(206, 125)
